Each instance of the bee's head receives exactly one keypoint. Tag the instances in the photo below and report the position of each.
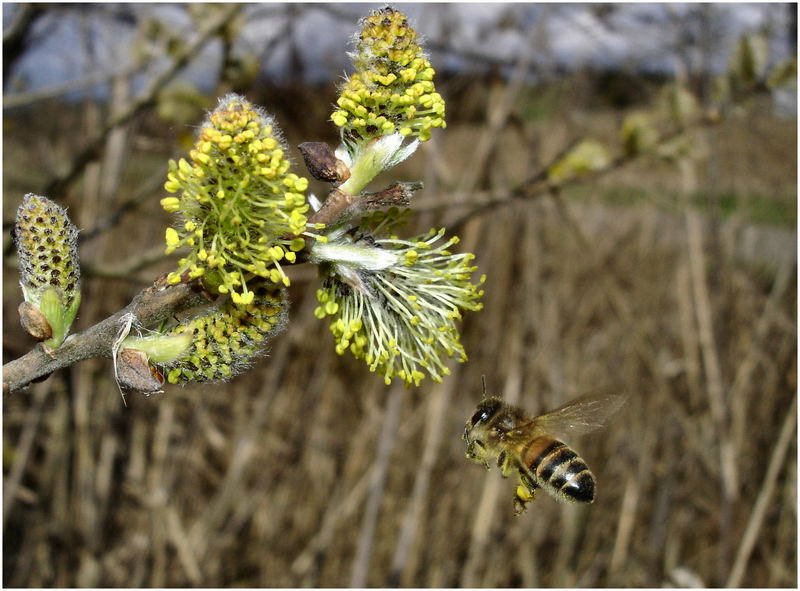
(477, 430)
(487, 408)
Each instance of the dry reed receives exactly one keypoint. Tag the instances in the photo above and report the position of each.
(307, 471)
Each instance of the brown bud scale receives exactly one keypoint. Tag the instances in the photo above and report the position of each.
(34, 322)
(134, 371)
(322, 164)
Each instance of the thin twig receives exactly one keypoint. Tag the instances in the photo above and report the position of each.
(688, 333)
(150, 306)
(338, 510)
(433, 438)
(358, 576)
(26, 98)
(625, 523)
(177, 534)
(745, 370)
(16, 34)
(702, 302)
(112, 219)
(157, 491)
(498, 113)
(759, 511)
(22, 451)
(711, 364)
(246, 446)
(539, 185)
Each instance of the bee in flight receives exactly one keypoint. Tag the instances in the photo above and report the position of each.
(530, 446)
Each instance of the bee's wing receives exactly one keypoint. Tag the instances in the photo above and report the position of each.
(582, 415)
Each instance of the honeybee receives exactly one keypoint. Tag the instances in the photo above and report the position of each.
(530, 446)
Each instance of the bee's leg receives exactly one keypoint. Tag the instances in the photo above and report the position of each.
(525, 493)
(521, 497)
(527, 482)
(477, 453)
(505, 464)
(525, 490)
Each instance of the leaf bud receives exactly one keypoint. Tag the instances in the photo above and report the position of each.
(322, 163)
(34, 322)
(135, 372)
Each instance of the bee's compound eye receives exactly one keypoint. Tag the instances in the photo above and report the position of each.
(479, 417)
(485, 410)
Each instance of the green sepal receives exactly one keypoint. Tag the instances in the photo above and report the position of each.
(373, 156)
(159, 348)
(52, 308)
(72, 312)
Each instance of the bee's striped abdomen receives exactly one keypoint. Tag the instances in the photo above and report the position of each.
(559, 470)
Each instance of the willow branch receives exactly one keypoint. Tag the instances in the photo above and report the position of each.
(538, 185)
(27, 97)
(149, 307)
(340, 205)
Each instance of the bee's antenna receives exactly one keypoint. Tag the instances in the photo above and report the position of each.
(483, 381)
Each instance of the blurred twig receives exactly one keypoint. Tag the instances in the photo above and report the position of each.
(22, 451)
(703, 306)
(15, 34)
(157, 496)
(710, 356)
(219, 505)
(145, 98)
(115, 217)
(625, 523)
(498, 112)
(761, 505)
(360, 566)
(340, 508)
(539, 185)
(89, 81)
(405, 541)
(748, 365)
(688, 333)
(180, 540)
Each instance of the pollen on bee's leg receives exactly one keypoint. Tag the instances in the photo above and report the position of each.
(522, 496)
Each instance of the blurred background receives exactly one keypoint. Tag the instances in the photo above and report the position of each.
(670, 272)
